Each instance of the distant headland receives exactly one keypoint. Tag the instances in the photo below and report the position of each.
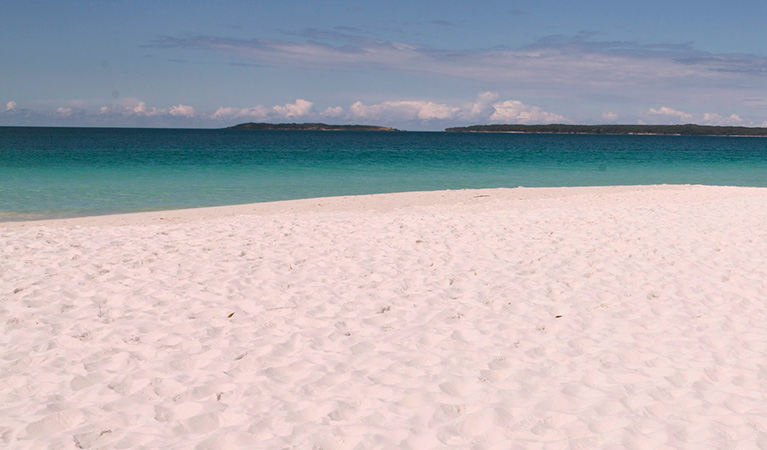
(308, 127)
(670, 130)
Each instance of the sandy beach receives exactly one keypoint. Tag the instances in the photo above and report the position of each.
(553, 318)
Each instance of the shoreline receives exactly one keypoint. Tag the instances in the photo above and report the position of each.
(620, 129)
(595, 317)
(365, 202)
(610, 134)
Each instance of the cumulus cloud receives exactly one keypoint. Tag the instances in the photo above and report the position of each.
(291, 110)
(10, 106)
(716, 119)
(135, 108)
(706, 118)
(573, 68)
(388, 111)
(403, 110)
(142, 110)
(333, 112)
(257, 112)
(514, 111)
(666, 111)
(484, 108)
(226, 112)
(182, 110)
(301, 108)
(481, 107)
(431, 110)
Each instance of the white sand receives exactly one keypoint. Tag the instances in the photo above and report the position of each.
(632, 317)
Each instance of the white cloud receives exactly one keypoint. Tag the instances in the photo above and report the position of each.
(716, 119)
(431, 110)
(713, 119)
(485, 108)
(141, 110)
(256, 112)
(404, 110)
(482, 106)
(298, 109)
(10, 106)
(333, 112)
(579, 69)
(182, 110)
(136, 108)
(515, 111)
(225, 113)
(666, 111)
(565, 65)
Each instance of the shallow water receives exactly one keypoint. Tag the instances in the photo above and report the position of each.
(64, 172)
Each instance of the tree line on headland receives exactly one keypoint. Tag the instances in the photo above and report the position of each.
(674, 130)
(671, 130)
(308, 127)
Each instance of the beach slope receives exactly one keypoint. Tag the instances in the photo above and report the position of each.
(604, 317)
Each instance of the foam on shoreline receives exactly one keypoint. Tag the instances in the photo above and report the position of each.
(592, 317)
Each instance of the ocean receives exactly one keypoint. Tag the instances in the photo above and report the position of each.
(69, 172)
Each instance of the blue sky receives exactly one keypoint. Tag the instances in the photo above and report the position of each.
(415, 65)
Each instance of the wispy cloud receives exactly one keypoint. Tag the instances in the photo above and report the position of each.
(443, 23)
(343, 34)
(10, 106)
(556, 60)
(568, 70)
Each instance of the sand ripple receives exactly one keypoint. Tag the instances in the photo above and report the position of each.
(572, 318)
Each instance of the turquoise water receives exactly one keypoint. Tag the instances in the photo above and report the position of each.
(64, 172)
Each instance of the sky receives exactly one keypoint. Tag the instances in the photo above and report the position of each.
(413, 65)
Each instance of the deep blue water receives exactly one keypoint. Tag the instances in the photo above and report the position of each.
(61, 172)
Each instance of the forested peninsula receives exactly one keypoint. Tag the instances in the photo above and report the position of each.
(671, 130)
(307, 127)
